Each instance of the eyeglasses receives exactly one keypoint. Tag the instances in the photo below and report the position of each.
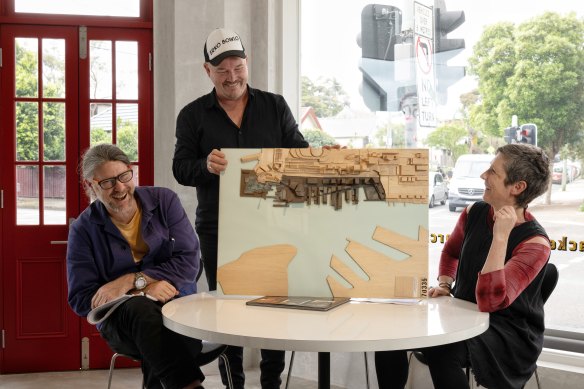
(109, 183)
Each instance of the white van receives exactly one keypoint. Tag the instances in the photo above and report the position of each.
(466, 185)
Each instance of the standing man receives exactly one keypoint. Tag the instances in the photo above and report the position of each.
(233, 115)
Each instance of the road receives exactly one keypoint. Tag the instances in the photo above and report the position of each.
(564, 222)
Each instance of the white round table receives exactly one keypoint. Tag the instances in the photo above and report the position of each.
(351, 327)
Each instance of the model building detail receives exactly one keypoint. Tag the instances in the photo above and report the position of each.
(319, 176)
(387, 277)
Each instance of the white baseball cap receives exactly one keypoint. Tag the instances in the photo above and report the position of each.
(222, 43)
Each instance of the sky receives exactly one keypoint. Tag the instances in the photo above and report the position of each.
(329, 36)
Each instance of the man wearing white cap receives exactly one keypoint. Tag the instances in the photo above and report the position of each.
(233, 115)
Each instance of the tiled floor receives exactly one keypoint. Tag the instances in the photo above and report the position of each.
(123, 379)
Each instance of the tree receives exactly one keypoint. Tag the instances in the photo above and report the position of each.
(127, 138)
(451, 137)
(318, 138)
(27, 116)
(327, 97)
(533, 71)
(391, 131)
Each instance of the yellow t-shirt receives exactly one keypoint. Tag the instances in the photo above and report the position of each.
(133, 235)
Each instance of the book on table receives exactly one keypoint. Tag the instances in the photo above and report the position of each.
(309, 303)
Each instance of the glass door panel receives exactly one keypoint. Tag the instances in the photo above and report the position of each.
(127, 70)
(27, 195)
(54, 194)
(127, 129)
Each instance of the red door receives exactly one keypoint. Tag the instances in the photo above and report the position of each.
(62, 89)
(116, 107)
(40, 193)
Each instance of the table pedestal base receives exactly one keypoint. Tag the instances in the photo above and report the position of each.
(324, 370)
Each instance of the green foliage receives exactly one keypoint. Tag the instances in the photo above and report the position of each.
(126, 139)
(451, 137)
(27, 116)
(98, 136)
(397, 132)
(534, 71)
(318, 138)
(327, 97)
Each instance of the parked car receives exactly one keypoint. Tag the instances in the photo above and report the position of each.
(438, 189)
(572, 172)
(466, 185)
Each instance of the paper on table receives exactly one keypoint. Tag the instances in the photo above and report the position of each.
(386, 301)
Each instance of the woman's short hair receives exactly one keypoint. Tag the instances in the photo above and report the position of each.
(96, 156)
(525, 162)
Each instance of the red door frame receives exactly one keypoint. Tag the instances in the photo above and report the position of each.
(120, 28)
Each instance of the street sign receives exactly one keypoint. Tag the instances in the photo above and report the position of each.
(423, 20)
(424, 53)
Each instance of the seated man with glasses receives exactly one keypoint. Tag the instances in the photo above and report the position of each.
(134, 240)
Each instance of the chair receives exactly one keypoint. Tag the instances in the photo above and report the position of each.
(548, 284)
(209, 353)
(292, 363)
(550, 280)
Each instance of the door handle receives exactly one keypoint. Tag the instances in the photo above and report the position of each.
(58, 242)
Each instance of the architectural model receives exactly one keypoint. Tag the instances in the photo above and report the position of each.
(316, 175)
(284, 228)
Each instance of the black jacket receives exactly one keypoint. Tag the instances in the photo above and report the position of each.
(203, 125)
(505, 355)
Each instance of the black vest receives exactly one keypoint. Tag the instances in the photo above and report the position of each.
(505, 355)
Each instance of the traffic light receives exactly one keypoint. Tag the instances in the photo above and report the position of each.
(386, 64)
(446, 48)
(528, 134)
(380, 27)
(445, 22)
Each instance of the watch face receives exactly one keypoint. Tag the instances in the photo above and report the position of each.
(140, 282)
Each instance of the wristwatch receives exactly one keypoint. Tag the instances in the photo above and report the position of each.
(139, 281)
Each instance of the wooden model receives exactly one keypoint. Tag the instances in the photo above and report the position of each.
(315, 175)
(293, 245)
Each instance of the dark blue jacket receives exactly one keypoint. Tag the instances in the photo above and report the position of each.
(97, 253)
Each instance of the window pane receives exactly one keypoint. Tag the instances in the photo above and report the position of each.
(53, 68)
(366, 32)
(127, 129)
(27, 65)
(100, 123)
(27, 195)
(27, 132)
(126, 70)
(130, 8)
(54, 195)
(100, 69)
(54, 131)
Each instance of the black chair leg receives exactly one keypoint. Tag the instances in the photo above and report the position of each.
(290, 368)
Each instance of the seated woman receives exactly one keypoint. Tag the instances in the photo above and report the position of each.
(494, 258)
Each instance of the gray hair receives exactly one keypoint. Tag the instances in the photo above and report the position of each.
(96, 156)
(524, 162)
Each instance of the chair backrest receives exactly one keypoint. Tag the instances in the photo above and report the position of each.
(550, 280)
